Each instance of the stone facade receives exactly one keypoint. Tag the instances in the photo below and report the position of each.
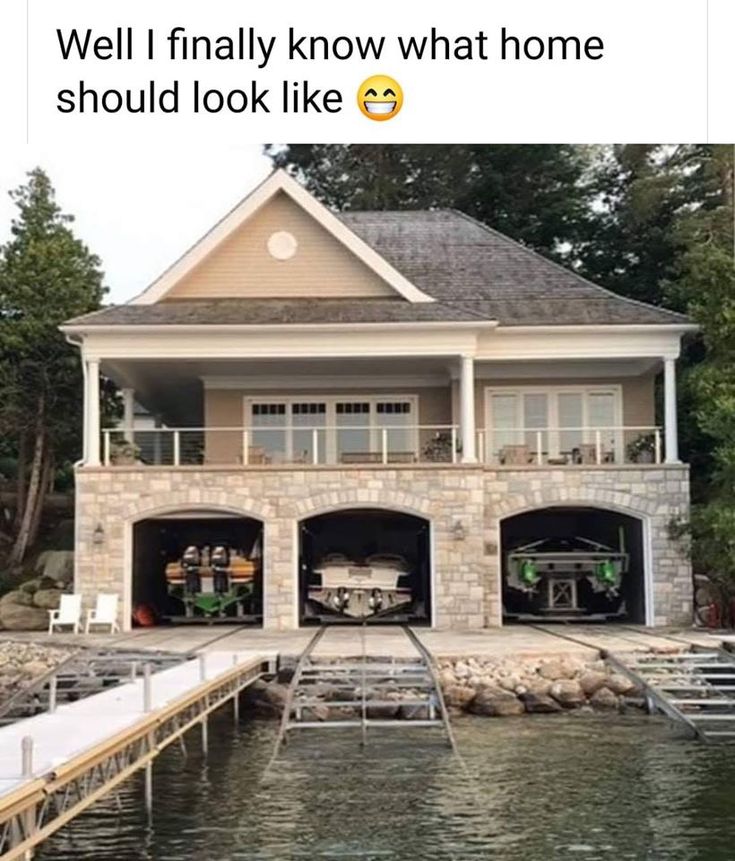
(465, 561)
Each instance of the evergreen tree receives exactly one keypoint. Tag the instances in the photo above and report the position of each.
(47, 275)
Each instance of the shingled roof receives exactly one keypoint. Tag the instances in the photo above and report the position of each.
(474, 273)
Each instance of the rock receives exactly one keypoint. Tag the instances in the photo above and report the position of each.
(275, 694)
(604, 698)
(462, 670)
(458, 696)
(56, 565)
(317, 712)
(17, 617)
(29, 586)
(538, 686)
(17, 597)
(620, 684)
(446, 678)
(48, 599)
(383, 711)
(34, 668)
(568, 693)
(540, 704)
(509, 683)
(490, 702)
(285, 674)
(592, 681)
(556, 669)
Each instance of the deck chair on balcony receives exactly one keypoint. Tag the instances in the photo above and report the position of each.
(104, 613)
(69, 614)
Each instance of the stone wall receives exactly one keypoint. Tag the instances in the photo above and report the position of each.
(466, 566)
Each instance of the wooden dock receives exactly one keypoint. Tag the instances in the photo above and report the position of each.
(55, 765)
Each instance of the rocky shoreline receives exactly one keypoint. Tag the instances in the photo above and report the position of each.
(22, 663)
(488, 688)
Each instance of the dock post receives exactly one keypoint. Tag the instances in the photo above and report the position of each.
(149, 789)
(202, 667)
(147, 694)
(205, 735)
(52, 694)
(236, 698)
(26, 756)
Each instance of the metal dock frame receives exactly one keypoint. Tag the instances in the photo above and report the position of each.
(40, 807)
(695, 689)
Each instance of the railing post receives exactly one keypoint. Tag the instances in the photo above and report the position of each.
(147, 692)
(598, 448)
(245, 448)
(314, 446)
(202, 667)
(454, 443)
(106, 446)
(177, 448)
(26, 756)
(657, 444)
(539, 448)
(384, 444)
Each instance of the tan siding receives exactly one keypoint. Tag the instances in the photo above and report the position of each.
(242, 267)
(223, 408)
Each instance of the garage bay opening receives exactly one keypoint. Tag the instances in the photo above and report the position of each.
(365, 564)
(198, 567)
(573, 564)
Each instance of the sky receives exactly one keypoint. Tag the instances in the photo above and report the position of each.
(138, 210)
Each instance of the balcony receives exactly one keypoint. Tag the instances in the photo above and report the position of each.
(388, 445)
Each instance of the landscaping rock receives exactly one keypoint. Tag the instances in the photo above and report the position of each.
(592, 681)
(568, 693)
(48, 599)
(495, 702)
(18, 617)
(604, 698)
(458, 696)
(17, 597)
(620, 684)
(540, 704)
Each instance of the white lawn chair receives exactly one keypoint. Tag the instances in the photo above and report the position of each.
(69, 613)
(105, 613)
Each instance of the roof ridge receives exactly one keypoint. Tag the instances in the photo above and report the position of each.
(565, 269)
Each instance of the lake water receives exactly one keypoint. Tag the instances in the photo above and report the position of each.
(570, 786)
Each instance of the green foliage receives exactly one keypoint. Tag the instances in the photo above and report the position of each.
(539, 195)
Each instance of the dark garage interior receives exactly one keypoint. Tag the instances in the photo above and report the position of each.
(157, 542)
(561, 529)
(357, 535)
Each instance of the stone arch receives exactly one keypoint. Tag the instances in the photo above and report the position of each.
(323, 503)
(246, 508)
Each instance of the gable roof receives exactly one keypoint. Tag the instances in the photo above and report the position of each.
(455, 268)
(278, 181)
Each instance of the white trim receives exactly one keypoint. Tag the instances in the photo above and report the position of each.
(280, 328)
(347, 382)
(278, 181)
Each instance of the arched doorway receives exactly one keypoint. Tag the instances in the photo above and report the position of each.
(567, 563)
(197, 566)
(365, 563)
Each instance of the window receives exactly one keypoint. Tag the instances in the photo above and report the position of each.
(561, 420)
(286, 430)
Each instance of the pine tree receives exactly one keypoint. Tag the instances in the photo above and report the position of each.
(47, 276)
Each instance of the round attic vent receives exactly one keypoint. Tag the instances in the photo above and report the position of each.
(282, 245)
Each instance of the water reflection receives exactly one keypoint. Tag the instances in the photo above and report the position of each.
(533, 789)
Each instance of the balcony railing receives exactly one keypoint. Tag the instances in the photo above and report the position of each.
(571, 446)
(371, 444)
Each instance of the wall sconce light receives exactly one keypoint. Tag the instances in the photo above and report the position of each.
(458, 533)
(98, 536)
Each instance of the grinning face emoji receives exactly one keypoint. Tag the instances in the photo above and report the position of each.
(380, 97)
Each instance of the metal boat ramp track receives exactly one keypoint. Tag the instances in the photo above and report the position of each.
(57, 764)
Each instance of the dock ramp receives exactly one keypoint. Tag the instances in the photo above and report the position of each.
(365, 692)
(695, 688)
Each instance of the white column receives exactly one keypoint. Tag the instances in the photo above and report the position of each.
(128, 397)
(671, 430)
(92, 413)
(467, 409)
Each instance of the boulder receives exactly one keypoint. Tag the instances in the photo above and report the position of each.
(18, 617)
(31, 669)
(56, 565)
(458, 696)
(495, 702)
(620, 684)
(17, 597)
(568, 693)
(275, 694)
(540, 704)
(538, 686)
(592, 681)
(604, 698)
(382, 712)
(555, 669)
(48, 599)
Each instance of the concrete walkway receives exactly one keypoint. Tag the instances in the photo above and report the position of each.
(342, 640)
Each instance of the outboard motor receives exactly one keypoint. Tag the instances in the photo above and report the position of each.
(221, 569)
(191, 562)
